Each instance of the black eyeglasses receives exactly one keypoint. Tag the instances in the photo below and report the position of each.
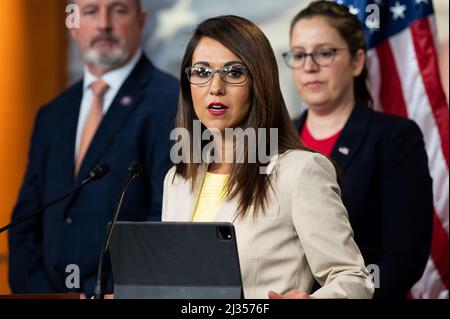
(233, 74)
(321, 56)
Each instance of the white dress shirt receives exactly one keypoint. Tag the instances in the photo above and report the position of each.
(114, 79)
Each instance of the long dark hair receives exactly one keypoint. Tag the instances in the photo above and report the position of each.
(268, 109)
(351, 30)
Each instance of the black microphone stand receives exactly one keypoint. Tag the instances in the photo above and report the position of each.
(134, 171)
(98, 172)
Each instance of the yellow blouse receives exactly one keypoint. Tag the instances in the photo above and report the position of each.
(210, 198)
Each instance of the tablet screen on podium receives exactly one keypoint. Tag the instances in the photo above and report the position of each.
(175, 260)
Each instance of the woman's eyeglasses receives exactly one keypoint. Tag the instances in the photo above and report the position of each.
(321, 56)
(233, 74)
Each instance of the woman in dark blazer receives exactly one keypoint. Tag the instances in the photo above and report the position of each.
(386, 186)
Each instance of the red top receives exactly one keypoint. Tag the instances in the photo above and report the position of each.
(325, 146)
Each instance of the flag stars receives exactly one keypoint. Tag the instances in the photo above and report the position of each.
(398, 11)
(353, 10)
(422, 1)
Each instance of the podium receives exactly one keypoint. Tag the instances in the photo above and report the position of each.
(42, 296)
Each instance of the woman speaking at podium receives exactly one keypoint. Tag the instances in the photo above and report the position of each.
(291, 226)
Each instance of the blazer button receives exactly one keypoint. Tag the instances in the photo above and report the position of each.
(69, 221)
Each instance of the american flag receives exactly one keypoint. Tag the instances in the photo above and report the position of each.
(404, 80)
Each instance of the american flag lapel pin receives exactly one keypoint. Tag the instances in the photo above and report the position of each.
(344, 150)
(126, 101)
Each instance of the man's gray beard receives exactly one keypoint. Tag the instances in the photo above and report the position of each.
(109, 60)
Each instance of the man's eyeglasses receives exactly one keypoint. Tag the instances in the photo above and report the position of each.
(233, 74)
(321, 56)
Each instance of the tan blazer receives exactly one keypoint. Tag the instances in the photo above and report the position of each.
(303, 233)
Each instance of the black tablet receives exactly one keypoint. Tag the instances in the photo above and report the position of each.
(175, 260)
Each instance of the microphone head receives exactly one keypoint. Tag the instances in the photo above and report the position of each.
(99, 171)
(135, 170)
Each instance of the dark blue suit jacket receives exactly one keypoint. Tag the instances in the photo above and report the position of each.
(73, 231)
(387, 190)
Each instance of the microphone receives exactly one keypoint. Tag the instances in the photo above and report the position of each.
(98, 172)
(95, 174)
(134, 171)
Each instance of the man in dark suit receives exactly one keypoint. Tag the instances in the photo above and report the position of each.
(121, 112)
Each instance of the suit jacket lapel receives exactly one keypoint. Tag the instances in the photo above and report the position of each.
(228, 211)
(187, 198)
(66, 136)
(129, 95)
(300, 121)
(352, 136)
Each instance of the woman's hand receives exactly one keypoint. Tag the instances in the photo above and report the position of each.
(293, 294)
